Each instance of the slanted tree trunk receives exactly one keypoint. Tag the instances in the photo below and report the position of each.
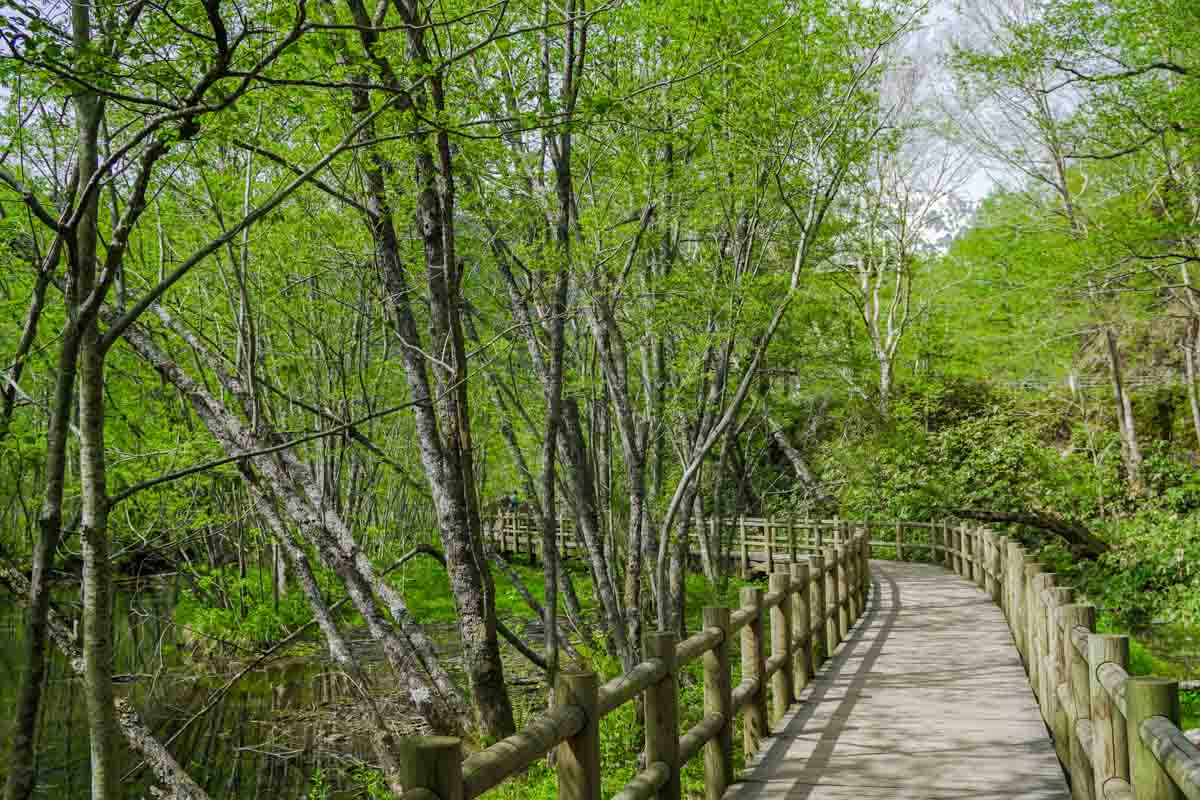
(409, 652)
(339, 650)
(442, 418)
(796, 458)
(1081, 540)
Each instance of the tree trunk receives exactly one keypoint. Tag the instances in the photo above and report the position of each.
(799, 465)
(1125, 421)
(410, 654)
(20, 782)
(97, 579)
(885, 385)
(1189, 367)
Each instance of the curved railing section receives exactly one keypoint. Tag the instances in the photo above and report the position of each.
(1117, 735)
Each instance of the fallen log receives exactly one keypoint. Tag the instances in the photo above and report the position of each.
(1083, 543)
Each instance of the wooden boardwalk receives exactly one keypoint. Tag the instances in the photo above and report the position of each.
(926, 699)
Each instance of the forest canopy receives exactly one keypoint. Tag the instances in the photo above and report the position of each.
(298, 295)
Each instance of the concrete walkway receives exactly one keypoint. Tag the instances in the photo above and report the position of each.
(926, 700)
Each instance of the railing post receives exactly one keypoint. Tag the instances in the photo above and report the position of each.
(999, 556)
(956, 546)
(843, 590)
(801, 624)
(1056, 715)
(981, 560)
(433, 763)
(781, 644)
(1074, 674)
(964, 542)
(718, 699)
(820, 647)
(1146, 698)
(969, 553)
(866, 572)
(853, 582)
(792, 540)
(831, 600)
(1043, 583)
(745, 549)
(662, 715)
(754, 726)
(976, 561)
(769, 536)
(1029, 590)
(579, 756)
(1110, 751)
(1014, 574)
(899, 541)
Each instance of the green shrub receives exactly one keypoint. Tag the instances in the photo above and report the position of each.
(221, 606)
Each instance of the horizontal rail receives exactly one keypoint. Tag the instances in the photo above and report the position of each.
(488, 768)
(701, 734)
(776, 663)
(1112, 678)
(740, 618)
(695, 646)
(1117, 789)
(1173, 750)
(744, 691)
(623, 688)
(646, 783)
(420, 793)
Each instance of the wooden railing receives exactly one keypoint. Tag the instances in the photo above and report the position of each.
(748, 540)
(1117, 735)
(812, 604)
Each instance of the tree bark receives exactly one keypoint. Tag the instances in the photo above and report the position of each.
(412, 657)
(20, 782)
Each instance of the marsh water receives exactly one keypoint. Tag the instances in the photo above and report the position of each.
(274, 735)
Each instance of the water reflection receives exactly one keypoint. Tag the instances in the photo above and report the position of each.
(265, 738)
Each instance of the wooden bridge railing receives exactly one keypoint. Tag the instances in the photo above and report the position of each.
(749, 540)
(1117, 736)
(812, 605)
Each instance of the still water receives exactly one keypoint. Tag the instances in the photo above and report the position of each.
(267, 737)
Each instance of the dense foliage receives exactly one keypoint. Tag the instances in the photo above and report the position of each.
(291, 289)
